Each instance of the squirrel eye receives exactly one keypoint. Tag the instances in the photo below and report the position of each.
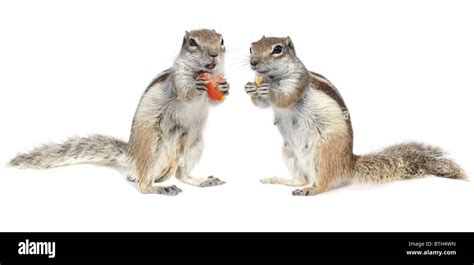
(250, 49)
(222, 42)
(192, 42)
(277, 49)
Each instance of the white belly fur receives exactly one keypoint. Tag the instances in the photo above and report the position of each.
(161, 99)
(304, 125)
(193, 116)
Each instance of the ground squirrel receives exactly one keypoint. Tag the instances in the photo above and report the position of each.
(317, 132)
(166, 135)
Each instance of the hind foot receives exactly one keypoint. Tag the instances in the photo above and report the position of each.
(211, 181)
(307, 191)
(163, 190)
(200, 182)
(168, 190)
(131, 178)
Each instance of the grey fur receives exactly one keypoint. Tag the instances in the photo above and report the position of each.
(405, 161)
(96, 149)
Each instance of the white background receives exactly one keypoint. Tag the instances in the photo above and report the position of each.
(69, 68)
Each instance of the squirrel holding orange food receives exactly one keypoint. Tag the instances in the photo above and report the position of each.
(166, 135)
(316, 128)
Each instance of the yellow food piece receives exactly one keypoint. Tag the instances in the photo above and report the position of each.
(258, 80)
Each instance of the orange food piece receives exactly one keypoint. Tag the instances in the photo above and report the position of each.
(212, 91)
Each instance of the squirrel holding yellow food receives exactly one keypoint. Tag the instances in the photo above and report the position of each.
(317, 132)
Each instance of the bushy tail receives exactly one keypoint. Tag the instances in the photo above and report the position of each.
(405, 161)
(95, 149)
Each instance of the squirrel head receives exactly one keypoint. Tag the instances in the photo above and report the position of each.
(272, 57)
(203, 50)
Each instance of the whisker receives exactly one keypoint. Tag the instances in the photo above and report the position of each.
(240, 58)
(243, 65)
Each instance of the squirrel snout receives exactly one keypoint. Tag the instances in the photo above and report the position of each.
(253, 62)
(213, 55)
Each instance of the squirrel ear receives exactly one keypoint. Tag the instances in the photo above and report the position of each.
(263, 37)
(186, 35)
(289, 43)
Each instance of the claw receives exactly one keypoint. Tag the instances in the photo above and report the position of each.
(169, 190)
(306, 192)
(131, 179)
(251, 88)
(211, 181)
(201, 88)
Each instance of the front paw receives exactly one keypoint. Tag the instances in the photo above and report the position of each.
(223, 86)
(263, 90)
(251, 88)
(201, 84)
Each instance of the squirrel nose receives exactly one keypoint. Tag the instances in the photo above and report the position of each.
(213, 55)
(253, 62)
